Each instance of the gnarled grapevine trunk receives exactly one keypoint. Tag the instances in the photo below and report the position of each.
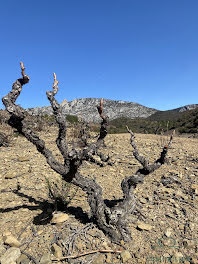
(112, 220)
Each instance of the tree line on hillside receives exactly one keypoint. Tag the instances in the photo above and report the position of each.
(182, 122)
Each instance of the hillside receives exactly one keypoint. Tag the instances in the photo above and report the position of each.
(139, 118)
(183, 122)
(172, 114)
(86, 109)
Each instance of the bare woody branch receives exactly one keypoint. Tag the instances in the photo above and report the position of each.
(23, 70)
(104, 123)
(17, 120)
(111, 219)
(92, 149)
(60, 119)
(143, 161)
(136, 154)
(128, 204)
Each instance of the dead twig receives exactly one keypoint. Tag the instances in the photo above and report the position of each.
(77, 233)
(88, 253)
(23, 230)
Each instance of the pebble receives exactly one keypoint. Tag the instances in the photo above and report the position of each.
(11, 241)
(195, 188)
(57, 251)
(105, 245)
(10, 256)
(108, 258)
(59, 218)
(178, 255)
(22, 159)
(45, 259)
(125, 256)
(99, 260)
(168, 232)
(189, 243)
(23, 259)
(143, 226)
(2, 249)
(10, 175)
(180, 193)
(143, 200)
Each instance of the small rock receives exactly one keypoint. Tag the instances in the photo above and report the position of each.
(45, 259)
(7, 233)
(168, 232)
(10, 175)
(178, 255)
(143, 200)
(2, 249)
(57, 251)
(192, 226)
(22, 159)
(23, 259)
(143, 226)
(10, 256)
(189, 244)
(40, 232)
(151, 206)
(195, 188)
(166, 258)
(105, 245)
(59, 218)
(181, 227)
(122, 242)
(180, 193)
(125, 256)
(99, 260)
(108, 258)
(11, 241)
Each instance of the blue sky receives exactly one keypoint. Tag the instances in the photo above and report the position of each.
(143, 51)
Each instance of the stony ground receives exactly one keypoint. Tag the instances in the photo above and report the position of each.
(36, 229)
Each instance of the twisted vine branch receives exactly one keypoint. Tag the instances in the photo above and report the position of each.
(112, 220)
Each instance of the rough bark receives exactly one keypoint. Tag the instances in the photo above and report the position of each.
(112, 220)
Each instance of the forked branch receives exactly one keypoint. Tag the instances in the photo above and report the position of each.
(111, 219)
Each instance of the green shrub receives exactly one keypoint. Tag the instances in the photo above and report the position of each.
(72, 119)
(61, 192)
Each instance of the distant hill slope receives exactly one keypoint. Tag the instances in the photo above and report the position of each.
(173, 114)
(188, 122)
(139, 118)
(183, 122)
(87, 109)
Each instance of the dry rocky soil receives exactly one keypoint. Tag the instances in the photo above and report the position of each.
(37, 228)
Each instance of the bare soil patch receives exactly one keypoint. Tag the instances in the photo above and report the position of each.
(166, 227)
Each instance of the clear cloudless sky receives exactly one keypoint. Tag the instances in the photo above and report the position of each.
(143, 51)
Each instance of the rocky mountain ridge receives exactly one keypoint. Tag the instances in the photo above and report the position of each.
(86, 108)
(186, 107)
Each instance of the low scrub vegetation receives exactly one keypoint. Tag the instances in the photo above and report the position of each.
(185, 122)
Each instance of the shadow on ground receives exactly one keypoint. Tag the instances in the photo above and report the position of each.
(47, 208)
